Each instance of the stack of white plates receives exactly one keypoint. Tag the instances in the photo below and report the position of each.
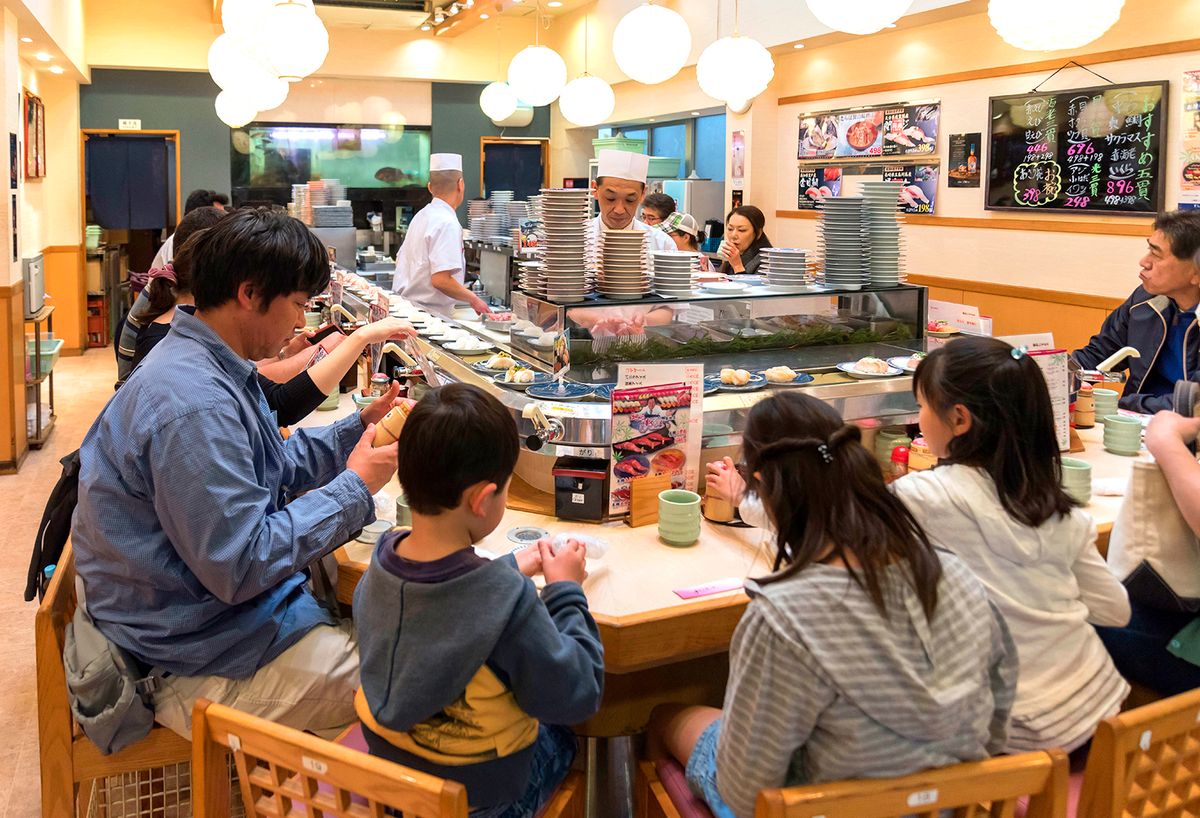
(563, 244)
(675, 273)
(883, 232)
(535, 208)
(495, 225)
(622, 264)
(530, 278)
(477, 209)
(334, 190)
(786, 269)
(317, 194)
(843, 239)
(517, 213)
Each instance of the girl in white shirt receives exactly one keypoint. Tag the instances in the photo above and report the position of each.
(997, 502)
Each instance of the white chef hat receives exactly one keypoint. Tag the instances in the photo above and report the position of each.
(623, 165)
(445, 161)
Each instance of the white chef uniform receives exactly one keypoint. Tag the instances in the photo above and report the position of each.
(634, 167)
(433, 244)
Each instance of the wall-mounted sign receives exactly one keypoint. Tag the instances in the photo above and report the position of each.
(965, 150)
(919, 194)
(817, 183)
(1088, 150)
(129, 124)
(871, 132)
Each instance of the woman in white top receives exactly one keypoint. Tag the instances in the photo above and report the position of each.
(997, 502)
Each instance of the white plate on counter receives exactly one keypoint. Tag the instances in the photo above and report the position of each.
(726, 287)
(474, 349)
(901, 363)
(850, 370)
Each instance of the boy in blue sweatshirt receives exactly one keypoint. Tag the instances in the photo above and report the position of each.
(464, 670)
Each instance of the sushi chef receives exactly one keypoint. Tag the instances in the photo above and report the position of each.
(620, 188)
(430, 266)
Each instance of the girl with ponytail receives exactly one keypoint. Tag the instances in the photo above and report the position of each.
(865, 653)
(996, 500)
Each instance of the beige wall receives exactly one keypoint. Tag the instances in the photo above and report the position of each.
(50, 207)
(328, 99)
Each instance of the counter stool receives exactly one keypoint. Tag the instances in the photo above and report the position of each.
(998, 782)
(74, 774)
(283, 771)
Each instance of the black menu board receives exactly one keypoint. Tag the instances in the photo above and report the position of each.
(1088, 150)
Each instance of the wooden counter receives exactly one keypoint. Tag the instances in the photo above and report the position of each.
(659, 647)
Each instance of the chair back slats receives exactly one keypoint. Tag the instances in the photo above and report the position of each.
(988, 788)
(285, 772)
(1146, 762)
(55, 725)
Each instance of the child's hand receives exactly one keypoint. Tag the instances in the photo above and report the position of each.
(568, 565)
(724, 482)
(1168, 430)
(529, 561)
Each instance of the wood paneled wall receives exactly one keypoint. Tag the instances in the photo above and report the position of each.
(1073, 318)
(66, 287)
(13, 441)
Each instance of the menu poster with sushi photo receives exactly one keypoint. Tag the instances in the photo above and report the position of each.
(1189, 185)
(964, 159)
(657, 420)
(919, 194)
(817, 184)
(892, 129)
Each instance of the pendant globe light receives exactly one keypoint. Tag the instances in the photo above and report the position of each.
(735, 69)
(498, 101)
(234, 68)
(298, 43)
(586, 100)
(240, 19)
(1053, 25)
(859, 18)
(234, 110)
(651, 44)
(537, 74)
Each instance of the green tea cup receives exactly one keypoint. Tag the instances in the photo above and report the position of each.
(679, 517)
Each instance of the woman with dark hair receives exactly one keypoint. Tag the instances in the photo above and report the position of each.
(996, 500)
(866, 654)
(744, 238)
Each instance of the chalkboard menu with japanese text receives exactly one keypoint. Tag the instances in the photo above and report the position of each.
(1088, 150)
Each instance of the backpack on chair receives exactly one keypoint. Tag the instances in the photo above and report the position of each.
(55, 527)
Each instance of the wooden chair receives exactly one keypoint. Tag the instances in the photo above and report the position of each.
(285, 772)
(1146, 762)
(68, 757)
(973, 790)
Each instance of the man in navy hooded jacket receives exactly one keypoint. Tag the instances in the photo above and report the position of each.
(1159, 319)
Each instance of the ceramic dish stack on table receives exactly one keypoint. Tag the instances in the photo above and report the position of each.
(675, 273)
(883, 232)
(843, 239)
(530, 278)
(786, 269)
(622, 272)
(563, 245)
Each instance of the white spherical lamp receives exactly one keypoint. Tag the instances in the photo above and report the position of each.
(498, 101)
(735, 69)
(537, 75)
(858, 18)
(240, 18)
(1053, 25)
(265, 93)
(234, 110)
(297, 42)
(651, 44)
(587, 101)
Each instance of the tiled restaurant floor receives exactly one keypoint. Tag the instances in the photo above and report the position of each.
(82, 386)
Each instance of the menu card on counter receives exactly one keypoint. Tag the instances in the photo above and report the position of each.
(1054, 367)
(657, 421)
(1088, 150)
(962, 317)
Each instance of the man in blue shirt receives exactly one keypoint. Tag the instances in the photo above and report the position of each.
(1159, 319)
(196, 518)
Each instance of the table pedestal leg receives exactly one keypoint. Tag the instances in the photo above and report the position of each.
(610, 772)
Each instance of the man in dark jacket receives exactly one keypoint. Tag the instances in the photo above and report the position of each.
(1159, 319)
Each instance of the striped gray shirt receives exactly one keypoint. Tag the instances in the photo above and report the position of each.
(822, 687)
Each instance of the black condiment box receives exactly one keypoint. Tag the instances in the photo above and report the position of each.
(580, 489)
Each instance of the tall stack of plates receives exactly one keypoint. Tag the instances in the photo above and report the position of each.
(495, 225)
(303, 206)
(843, 238)
(622, 264)
(786, 269)
(517, 213)
(883, 231)
(317, 194)
(563, 246)
(530, 278)
(332, 216)
(334, 190)
(477, 213)
(535, 208)
(675, 272)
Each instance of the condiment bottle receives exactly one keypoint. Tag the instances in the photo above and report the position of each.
(899, 461)
(388, 430)
(380, 383)
(1085, 407)
(920, 456)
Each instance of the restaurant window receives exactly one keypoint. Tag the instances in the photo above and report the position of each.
(640, 133)
(671, 140)
(710, 147)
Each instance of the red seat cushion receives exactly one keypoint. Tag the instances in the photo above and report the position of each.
(674, 781)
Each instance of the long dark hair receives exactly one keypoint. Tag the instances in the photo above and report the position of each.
(826, 497)
(161, 292)
(759, 222)
(1012, 422)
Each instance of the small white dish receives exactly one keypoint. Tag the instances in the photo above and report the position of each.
(849, 368)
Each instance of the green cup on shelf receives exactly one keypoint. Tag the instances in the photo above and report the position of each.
(679, 517)
(1077, 479)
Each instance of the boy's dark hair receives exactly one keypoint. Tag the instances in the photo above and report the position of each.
(660, 203)
(1012, 423)
(271, 251)
(457, 436)
(160, 291)
(204, 198)
(825, 494)
(1182, 229)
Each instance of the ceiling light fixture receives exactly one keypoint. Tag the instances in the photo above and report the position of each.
(695, 113)
(453, 9)
(42, 56)
(554, 4)
(537, 74)
(586, 100)
(798, 45)
(426, 26)
(1061, 24)
(735, 69)
(864, 18)
(651, 44)
(299, 41)
(484, 16)
(56, 69)
(27, 39)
